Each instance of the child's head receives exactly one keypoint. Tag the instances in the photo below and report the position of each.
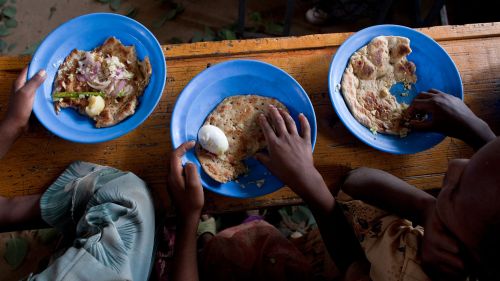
(469, 205)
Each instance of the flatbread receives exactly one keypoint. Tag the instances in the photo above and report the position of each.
(370, 74)
(111, 68)
(237, 117)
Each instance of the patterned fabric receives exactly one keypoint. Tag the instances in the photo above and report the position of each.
(253, 251)
(23, 252)
(108, 217)
(390, 243)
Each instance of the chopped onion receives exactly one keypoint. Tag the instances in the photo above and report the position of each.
(81, 78)
(98, 85)
(119, 86)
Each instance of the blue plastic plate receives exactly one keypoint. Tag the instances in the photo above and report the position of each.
(435, 69)
(85, 33)
(236, 77)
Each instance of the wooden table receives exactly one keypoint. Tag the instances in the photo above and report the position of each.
(39, 157)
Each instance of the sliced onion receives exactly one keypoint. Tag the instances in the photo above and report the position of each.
(120, 85)
(98, 85)
(81, 78)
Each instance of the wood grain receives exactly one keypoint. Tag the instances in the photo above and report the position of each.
(38, 157)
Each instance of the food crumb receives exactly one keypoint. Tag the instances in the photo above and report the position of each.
(403, 132)
(260, 182)
(405, 94)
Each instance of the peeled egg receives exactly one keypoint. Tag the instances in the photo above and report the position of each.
(213, 139)
(95, 106)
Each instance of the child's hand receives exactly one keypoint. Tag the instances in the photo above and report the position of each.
(290, 153)
(448, 115)
(184, 185)
(21, 102)
(440, 251)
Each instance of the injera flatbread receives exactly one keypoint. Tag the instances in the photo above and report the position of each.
(370, 74)
(237, 117)
(121, 93)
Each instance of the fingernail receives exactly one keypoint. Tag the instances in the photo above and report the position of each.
(42, 73)
(301, 114)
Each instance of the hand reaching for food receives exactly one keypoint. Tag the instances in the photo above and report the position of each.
(290, 153)
(18, 113)
(184, 185)
(21, 101)
(439, 112)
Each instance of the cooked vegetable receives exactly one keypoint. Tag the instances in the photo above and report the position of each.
(76, 95)
(95, 107)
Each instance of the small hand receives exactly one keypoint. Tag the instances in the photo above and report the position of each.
(290, 153)
(21, 101)
(184, 185)
(440, 252)
(448, 115)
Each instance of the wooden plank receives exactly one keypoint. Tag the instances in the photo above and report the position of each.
(235, 47)
(37, 158)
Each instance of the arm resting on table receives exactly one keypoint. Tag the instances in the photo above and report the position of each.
(387, 192)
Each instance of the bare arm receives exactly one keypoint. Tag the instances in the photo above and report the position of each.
(22, 212)
(9, 136)
(290, 159)
(185, 189)
(387, 192)
(185, 257)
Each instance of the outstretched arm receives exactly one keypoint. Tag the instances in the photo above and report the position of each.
(387, 192)
(290, 159)
(439, 112)
(21, 212)
(186, 192)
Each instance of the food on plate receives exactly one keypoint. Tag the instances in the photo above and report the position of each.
(213, 139)
(370, 74)
(237, 117)
(104, 83)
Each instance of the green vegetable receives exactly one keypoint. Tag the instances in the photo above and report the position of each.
(76, 95)
(121, 94)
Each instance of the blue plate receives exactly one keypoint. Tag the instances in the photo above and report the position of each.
(85, 33)
(236, 77)
(435, 69)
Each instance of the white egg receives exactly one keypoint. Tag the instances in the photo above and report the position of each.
(95, 107)
(213, 139)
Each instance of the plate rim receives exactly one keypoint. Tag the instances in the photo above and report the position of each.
(97, 138)
(331, 88)
(233, 61)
